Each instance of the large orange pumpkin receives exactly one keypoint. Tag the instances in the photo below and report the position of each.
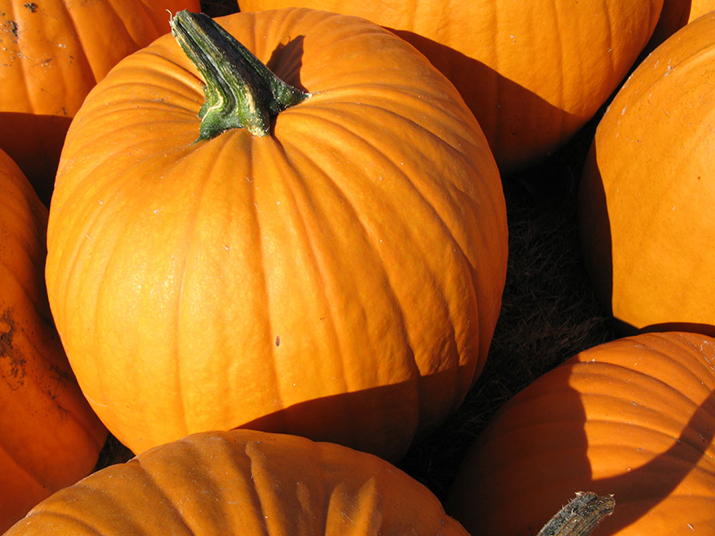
(648, 190)
(339, 277)
(634, 418)
(244, 482)
(53, 52)
(49, 436)
(533, 72)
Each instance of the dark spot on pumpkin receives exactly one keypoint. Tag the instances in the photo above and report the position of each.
(13, 28)
(12, 362)
(32, 6)
(278, 340)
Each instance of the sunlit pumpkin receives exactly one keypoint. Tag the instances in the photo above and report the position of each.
(339, 277)
(49, 436)
(634, 418)
(648, 188)
(52, 52)
(533, 72)
(244, 482)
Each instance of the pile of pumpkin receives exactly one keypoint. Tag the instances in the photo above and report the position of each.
(268, 282)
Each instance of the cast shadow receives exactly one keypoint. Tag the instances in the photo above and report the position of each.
(536, 491)
(45, 134)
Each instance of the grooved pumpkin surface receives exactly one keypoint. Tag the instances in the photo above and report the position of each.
(52, 53)
(49, 436)
(244, 482)
(533, 72)
(339, 278)
(634, 418)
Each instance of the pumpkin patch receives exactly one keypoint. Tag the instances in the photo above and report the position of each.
(307, 236)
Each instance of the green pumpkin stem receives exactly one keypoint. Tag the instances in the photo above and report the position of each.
(580, 516)
(241, 92)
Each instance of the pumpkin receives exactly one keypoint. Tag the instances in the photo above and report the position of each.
(53, 52)
(533, 73)
(244, 482)
(676, 14)
(634, 418)
(647, 191)
(337, 274)
(49, 436)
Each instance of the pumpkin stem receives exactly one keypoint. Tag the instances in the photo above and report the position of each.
(580, 516)
(241, 92)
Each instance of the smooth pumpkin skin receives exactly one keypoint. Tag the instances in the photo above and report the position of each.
(339, 278)
(634, 418)
(53, 52)
(532, 72)
(647, 191)
(244, 482)
(49, 436)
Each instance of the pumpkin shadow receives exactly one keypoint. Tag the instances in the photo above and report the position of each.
(45, 134)
(510, 134)
(286, 61)
(536, 491)
(597, 251)
(382, 420)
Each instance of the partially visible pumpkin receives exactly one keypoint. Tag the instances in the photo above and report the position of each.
(648, 190)
(533, 72)
(634, 418)
(53, 52)
(248, 483)
(49, 436)
(339, 277)
(675, 15)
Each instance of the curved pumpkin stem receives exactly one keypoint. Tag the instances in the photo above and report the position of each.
(580, 516)
(241, 92)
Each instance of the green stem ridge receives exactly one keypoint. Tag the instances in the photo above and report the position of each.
(580, 516)
(241, 92)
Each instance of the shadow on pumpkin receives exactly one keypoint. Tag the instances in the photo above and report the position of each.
(289, 56)
(529, 482)
(597, 250)
(522, 128)
(381, 420)
(35, 142)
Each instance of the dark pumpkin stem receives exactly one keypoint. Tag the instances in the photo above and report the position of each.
(241, 92)
(580, 516)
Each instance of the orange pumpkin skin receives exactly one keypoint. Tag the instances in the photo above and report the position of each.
(244, 482)
(634, 418)
(53, 52)
(533, 74)
(676, 14)
(646, 197)
(339, 278)
(49, 436)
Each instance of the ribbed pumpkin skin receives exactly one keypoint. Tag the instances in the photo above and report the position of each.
(634, 418)
(532, 72)
(244, 482)
(647, 192)
(53, 52)
(49, 436)
(348, 267)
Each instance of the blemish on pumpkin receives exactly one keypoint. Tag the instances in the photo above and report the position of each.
(13, 28)
(278, 340)
(32, 6)
(12, 363)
